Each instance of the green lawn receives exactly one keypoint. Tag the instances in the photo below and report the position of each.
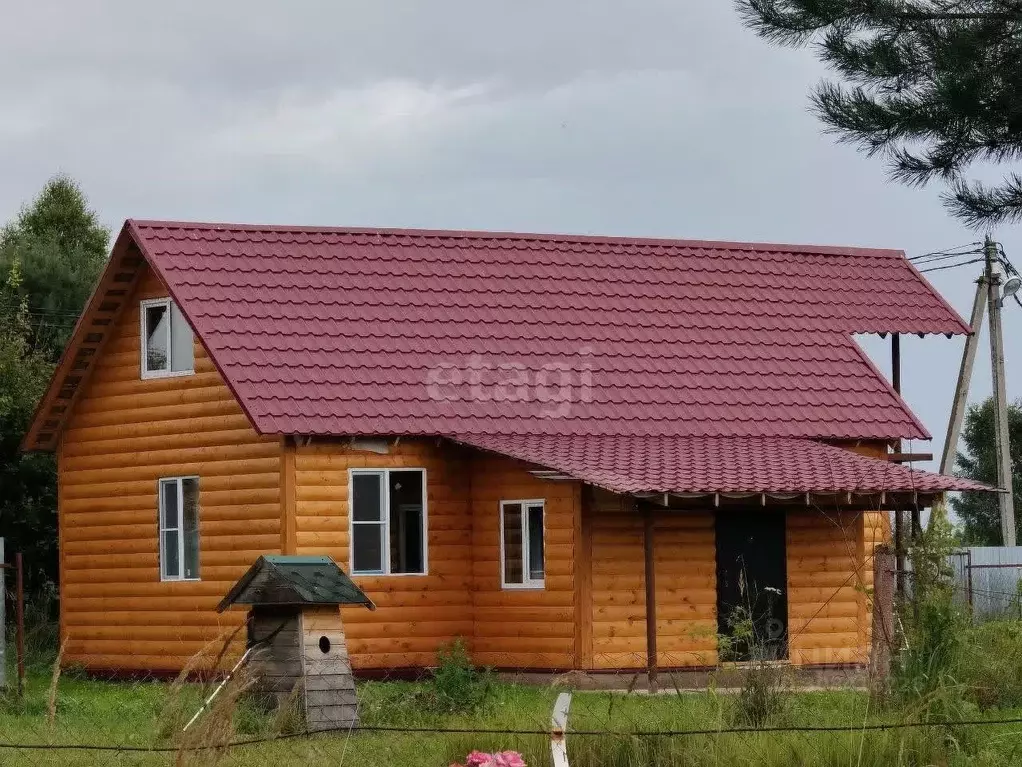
(135, 714)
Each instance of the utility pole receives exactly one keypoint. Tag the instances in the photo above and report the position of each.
(954, 427)
(1006, 498)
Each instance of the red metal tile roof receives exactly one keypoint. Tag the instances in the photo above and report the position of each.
(716, 464)
(331, 331)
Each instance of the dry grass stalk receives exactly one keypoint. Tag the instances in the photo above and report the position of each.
(208, 741)
(51, 706)
(179, 706)
(573, 680)
(290, 715)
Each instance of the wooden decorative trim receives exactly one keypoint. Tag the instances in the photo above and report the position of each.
(90, 335)
(61, 549)
(288, 497)
(583, 574)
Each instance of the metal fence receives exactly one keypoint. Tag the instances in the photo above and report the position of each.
(764, 713)
(987, 579)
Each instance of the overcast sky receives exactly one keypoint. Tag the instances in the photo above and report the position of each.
(660, 118)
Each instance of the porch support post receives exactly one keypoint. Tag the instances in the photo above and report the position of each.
(650, 578)
(896, 362)
(900, 560)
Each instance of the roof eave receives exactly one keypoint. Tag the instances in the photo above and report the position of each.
(91, 332)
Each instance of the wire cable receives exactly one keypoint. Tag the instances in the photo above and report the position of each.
(946, 251)
(877, 726)
(945, 258)
(951, 266)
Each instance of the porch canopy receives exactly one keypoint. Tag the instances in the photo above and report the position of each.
(680, 471)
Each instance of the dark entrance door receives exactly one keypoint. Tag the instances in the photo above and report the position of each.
(752, 584)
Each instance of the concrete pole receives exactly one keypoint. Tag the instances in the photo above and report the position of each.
(954, 427)
(958, 404)
(1006, 499)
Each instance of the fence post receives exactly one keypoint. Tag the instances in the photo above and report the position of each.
(3, 620)
(883, 617)
(19, 580)
(558, 725)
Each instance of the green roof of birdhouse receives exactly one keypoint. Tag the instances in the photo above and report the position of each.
(281, 581)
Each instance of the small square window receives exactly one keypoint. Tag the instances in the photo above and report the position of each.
(167, 344)
(179, 528)
(388, 522)
(522, 545)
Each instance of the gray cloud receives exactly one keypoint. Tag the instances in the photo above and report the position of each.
(658, 118)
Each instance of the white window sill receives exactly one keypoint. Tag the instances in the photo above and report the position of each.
(537, 586)
(179, 580)
(387, 575)
(147, 374)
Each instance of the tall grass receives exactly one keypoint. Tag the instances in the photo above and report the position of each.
(950, 671)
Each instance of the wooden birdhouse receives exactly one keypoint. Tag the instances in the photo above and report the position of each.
(296, 637)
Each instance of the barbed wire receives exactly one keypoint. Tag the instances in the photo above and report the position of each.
(518, 732)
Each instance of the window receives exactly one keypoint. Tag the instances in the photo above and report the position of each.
(167, 348)
(521, 544)
(179, 529)
(388, 521)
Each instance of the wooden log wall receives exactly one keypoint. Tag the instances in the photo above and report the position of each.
(523, 628)
(415, 614)
(827, 572)
(827, 603)
(686, 583)
(124, 435)
(877, 529)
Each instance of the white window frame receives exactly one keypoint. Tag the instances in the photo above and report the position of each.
(180, 529)
(385, 524)
(143, 362)
(527, 583)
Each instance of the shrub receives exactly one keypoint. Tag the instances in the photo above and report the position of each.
(926, 673)
(763, 695)
(454, 686)
(762, 698)
(457, 685)
(992, 666)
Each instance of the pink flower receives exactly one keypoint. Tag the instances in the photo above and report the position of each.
(501, 759)
(508, 759)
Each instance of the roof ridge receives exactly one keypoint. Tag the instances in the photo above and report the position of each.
(479, 234)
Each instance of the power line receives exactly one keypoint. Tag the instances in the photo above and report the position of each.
(39, 310)
(931, 261)
(946, 251)
(951, 266)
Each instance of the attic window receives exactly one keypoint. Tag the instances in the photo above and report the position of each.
(167, 346)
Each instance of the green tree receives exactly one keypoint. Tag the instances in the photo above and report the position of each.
(61, 248)
(979, 512)
(932, 85)
(50, 257)
(28, 500)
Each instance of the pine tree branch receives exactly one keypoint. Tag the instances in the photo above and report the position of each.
(980, 205)
(794, 22)
(935, 85)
